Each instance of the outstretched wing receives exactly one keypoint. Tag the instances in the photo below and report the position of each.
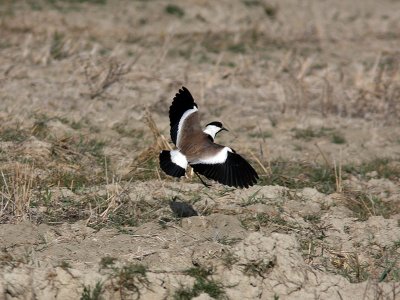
(234, 171)
(182, 106)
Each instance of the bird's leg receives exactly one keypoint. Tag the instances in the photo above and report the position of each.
(202, 181)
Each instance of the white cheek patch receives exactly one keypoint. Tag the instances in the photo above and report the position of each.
(219, 158)
(179, 159)
(212, 130)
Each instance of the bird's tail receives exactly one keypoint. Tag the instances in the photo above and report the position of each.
(173, 163)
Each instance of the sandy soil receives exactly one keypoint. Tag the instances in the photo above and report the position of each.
(310, 93)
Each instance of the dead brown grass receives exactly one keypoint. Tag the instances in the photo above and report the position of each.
(17, 192)
(100, 75)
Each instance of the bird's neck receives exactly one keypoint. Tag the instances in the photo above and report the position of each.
(210, 138)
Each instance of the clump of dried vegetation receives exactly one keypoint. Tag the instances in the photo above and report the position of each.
(17, 192)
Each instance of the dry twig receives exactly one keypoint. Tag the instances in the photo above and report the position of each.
(100, 80)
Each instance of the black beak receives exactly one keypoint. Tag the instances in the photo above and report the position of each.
(223, 128)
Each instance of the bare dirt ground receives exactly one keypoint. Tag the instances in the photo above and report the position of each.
(310, 91)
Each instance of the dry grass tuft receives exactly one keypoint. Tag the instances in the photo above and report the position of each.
(16, 192)
(147, 160)
(160, 139)
(366, 205)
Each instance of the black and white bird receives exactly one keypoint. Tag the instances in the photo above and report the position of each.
(196, 147)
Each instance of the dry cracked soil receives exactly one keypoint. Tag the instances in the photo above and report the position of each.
(310, 92)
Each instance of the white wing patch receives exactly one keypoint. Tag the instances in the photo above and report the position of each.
(182, 120)
(179, 159)
(219, 158)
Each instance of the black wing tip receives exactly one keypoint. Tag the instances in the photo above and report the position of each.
(184, 89)
(168, 166)
(182, 102)
(245, 184)
(235, 172)
(184, 92)
(240, 181)
(246, 176)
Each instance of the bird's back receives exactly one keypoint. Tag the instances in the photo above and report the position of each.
(193, 142)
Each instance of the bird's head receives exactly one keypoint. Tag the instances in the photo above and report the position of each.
(213, 128)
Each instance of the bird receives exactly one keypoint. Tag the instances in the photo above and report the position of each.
(196, 147)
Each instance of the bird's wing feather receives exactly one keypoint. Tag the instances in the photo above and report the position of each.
(235, 171)
(182, 106)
